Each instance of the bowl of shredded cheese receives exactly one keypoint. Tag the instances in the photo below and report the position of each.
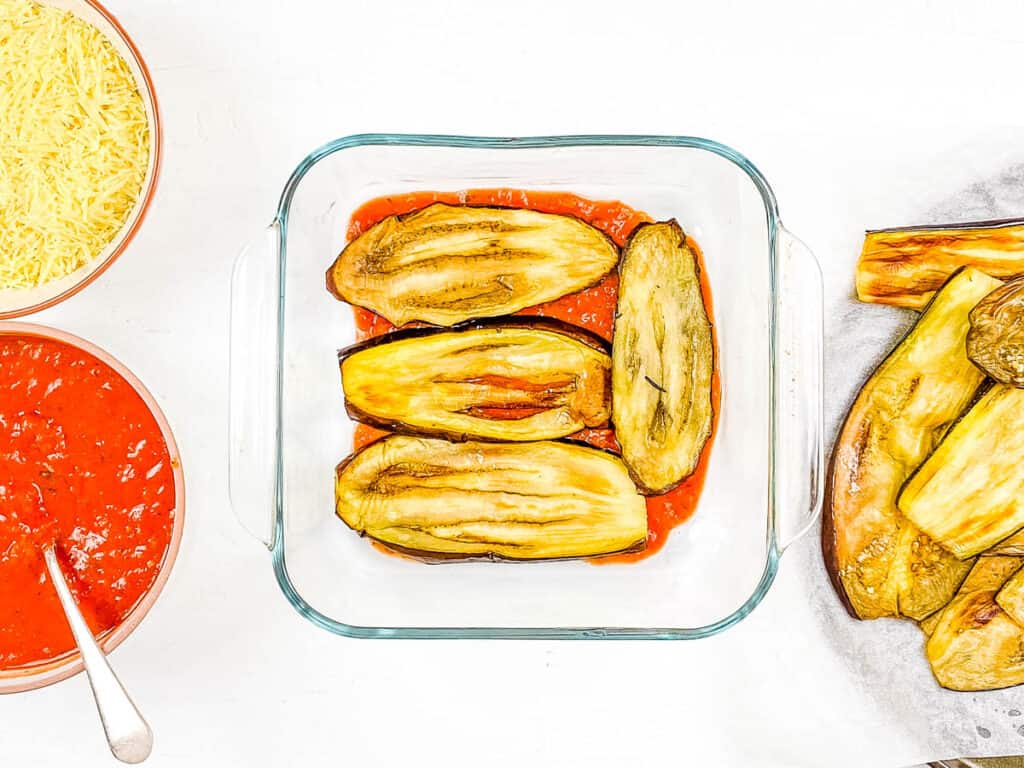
(79, 148)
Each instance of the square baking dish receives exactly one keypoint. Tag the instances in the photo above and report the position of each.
(289, 429)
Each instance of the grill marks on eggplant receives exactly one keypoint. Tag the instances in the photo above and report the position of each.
(445, 264)
(516, 381)
(438, 499)
(879, 562)
(662, 359)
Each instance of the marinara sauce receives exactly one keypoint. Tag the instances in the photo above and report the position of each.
(592, 308)
(83, 467)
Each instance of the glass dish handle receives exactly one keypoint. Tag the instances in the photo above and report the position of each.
(799, 394)
(252, 431)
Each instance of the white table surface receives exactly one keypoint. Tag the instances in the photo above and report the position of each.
(859, 116)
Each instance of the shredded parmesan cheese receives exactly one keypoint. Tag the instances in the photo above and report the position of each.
(74, 143)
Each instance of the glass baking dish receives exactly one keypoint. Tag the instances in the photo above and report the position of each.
(288, 427)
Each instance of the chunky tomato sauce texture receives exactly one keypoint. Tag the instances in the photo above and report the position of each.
(84, 468)
(592, 308)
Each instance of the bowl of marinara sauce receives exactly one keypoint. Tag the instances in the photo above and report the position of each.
(87, 462)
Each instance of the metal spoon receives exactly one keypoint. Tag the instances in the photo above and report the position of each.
(128, 733)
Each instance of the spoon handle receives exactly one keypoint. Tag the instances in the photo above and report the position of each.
(128, 734)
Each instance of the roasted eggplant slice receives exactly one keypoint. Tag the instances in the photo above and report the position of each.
(990, 573)
(987, 573)
(975, 645)
(662, 359)
(995, 342)
(1011, 596)
(514, 501)
(969, 494)
(510, 381)
(880, 564)
(449, 263)
(904, 267)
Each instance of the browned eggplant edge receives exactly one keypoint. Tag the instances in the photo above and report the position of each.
(402, 428)
(436, 558)
(402, 217)
(553, 325)
(644, 489)
(828, 528)
(566, 440)
(528, 322)
(983, 224)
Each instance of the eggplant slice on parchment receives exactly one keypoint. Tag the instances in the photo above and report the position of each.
(968, 494)
(975, 644)
(513, 380)
(880, 563)
(438, 500)
(446, 264)
(662, 359)
(904, 267)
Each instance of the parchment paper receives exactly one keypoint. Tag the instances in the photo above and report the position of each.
(884, 659)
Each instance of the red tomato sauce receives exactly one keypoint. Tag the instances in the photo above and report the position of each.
(84, 466)
(592, 308)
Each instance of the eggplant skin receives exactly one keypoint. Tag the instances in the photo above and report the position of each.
(437, 500)
(995, 342)
(509, 381)
(663, 359)
(878, 561)
(973, 644)
(445, 264)
(969, 494)
(904, 267)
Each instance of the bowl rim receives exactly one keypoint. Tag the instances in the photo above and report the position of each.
(63, 667)
(147, 193)
(279, 226)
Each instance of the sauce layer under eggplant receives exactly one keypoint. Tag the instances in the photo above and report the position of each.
(592, 309)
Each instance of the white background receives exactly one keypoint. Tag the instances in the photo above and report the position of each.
(860, 116)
